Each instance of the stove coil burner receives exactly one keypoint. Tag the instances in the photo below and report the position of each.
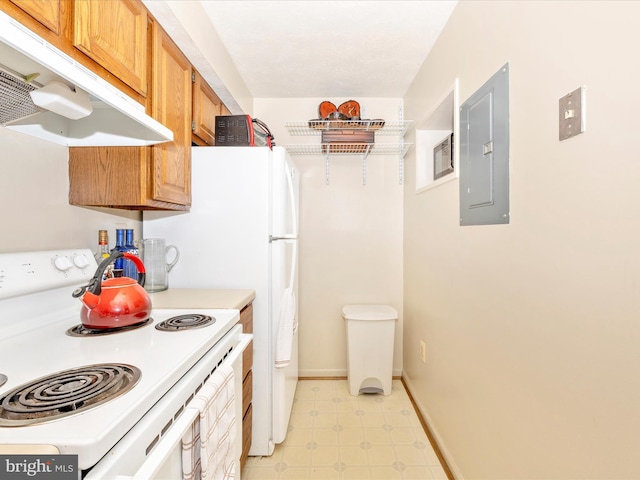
(65, 393)
(185, 322)
(82, 331)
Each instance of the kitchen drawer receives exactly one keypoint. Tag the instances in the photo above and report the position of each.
(247, 387)
(247, 359)
(246, 319)
(246, 434)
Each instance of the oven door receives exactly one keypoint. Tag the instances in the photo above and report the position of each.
(146, 453)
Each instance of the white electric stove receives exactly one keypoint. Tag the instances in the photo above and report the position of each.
(159, 371)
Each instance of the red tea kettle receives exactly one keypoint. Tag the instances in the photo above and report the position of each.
(114, 302)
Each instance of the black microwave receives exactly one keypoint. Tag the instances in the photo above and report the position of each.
(443, 158)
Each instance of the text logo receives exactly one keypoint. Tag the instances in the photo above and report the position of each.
(39, 467)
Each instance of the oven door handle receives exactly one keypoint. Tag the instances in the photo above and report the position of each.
(181, 426)
(166, 445)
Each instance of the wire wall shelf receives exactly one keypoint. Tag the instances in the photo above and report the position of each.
(315, 127)
(362, 149)
(349, 149)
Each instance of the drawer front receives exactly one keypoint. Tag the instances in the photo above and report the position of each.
(247, 359)
(246, 319)
(246, 434)
(247, 387)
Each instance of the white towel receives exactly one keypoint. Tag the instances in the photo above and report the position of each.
(208, 452)
(191, 464)
(287, 325)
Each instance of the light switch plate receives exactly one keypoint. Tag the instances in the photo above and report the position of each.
(572, 113)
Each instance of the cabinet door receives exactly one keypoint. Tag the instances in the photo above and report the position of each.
(114, 34)
(140, 178)
(114, 177)
(206, 105)
(108, 176)
(171, 106)
(48, 13)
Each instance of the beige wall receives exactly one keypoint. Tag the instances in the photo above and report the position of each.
(532, 328)
(350, 234)
(34, 189)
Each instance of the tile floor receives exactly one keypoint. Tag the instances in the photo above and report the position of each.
(333, 435)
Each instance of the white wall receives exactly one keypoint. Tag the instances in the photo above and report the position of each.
(34, 189)
(532, 328)
(350, 234)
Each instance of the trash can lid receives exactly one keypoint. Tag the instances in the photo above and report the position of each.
(369, 312)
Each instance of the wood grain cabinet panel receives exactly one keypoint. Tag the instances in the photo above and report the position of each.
(49, 13)
(108, 177)
(171, 106)
(114, 34)
(206, 105)
(247, 422)
(246, 320)
(143, 178)
(247, 386)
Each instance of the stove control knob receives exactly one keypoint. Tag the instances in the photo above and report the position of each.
(81, 261)
(62, 263)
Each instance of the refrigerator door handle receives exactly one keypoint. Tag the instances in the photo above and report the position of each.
(273, 238)
(292, 200)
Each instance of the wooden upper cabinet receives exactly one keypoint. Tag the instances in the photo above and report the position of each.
(114, 34)
(206, 105)
(142, 178)
(52, 14)
(171, 106)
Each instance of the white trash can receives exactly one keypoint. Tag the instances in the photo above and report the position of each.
(370, 338)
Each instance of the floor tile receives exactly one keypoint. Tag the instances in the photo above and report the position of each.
(333, 435)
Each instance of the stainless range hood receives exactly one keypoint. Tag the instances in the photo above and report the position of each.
(28, 61)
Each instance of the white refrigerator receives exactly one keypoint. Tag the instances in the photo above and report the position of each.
(241, 232)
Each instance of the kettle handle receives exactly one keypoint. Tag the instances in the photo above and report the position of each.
(95, 284)
(142, 273)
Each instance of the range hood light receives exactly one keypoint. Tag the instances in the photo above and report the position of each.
(61, 99)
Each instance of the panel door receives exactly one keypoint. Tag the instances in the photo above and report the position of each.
(484, 153)
(206, 105)
(114, 34)
(480, 157)
(47, 12)
(171, 106)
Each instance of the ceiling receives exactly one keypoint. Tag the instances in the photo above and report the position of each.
(346, 48)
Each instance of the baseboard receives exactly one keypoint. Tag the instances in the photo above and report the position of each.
(300, 377)
(337, 373)
(315, 377)
(448, 465)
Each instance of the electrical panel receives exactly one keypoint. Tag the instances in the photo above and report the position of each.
(484, 153)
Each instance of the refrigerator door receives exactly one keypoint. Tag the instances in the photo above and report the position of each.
(285, 186)
(285, 334)
(284, 291)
